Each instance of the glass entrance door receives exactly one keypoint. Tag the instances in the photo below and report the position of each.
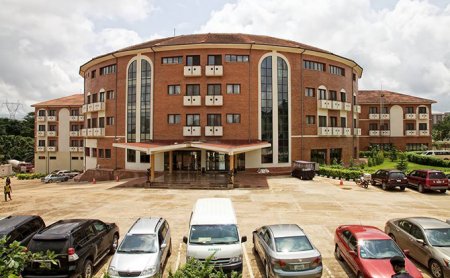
(217, 161)
(185, 160)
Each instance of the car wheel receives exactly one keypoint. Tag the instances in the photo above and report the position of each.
(402, 188)
(337, 253)
(87, 269)
(373, 182)
(443, 191)
(421, 189)
(393, 237)
(114, 244)
(360, 275)
(436, 269)
(266, 270)
(384, 186)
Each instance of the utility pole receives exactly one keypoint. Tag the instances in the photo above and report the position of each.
(12, 108)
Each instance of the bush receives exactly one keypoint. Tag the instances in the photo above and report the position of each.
(427, 160)
(365, 154)
(340, 173)
(195, 268)
(30, 176)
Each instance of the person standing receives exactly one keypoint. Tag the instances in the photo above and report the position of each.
(398, 264)
(7, 189)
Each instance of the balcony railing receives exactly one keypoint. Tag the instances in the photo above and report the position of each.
(410, 116)
(51, 133)
(336, 105)
(73, 149)
(40, 149)
(192, 131)
(81, 149)
(192, 71)
(325, 131)
(325, 104)
(80, 118)
(41, 118)
(347, 106)
(84, 108)
(214, 100)
(410, 132)
(192, 100)
(74, 133)
(357, 131)
(424, 132)
(93, 132)
(385, 132)
(337, 131)
(41, 133)
(347, 131)
(384, 116)
(76, 118)
(83, 132)
(52, 118)
(52, 149)
(96, 106)
(214, 70)
(374, 133)
(357, 108)
(213, 131)
(374, 116)
(423, 116)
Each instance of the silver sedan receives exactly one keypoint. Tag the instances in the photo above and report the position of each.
(427, 239)
(286, 251)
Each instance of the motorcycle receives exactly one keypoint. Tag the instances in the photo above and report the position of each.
(364, 180)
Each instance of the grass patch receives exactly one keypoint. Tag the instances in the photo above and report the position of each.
(387, 164)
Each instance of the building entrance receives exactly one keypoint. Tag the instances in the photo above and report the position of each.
(217, 161)
(184, 160)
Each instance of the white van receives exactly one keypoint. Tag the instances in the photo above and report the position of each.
(442, 154)
(213, 231)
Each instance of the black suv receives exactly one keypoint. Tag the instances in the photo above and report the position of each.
(20, 228)
(389, 179)
(80, 244)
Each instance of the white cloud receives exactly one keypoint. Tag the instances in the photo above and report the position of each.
(406, 48)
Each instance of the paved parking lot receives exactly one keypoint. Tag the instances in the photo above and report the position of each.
(318, 206)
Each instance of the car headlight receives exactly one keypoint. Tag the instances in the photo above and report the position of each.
(236, 259)
(112, 271)
(151, 270)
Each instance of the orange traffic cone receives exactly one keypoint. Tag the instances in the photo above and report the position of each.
(341, 182)
(93, 181)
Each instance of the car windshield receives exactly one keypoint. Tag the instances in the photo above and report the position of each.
(292, 244)
(396, 175)
(438, 237)
(138, 243)
(437, 176)
(59, 246)
(378, 249)
(214, 234)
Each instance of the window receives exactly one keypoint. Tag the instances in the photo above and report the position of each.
(343, 122)
(310, 92)
(42, 157)
(373, 110)
(144, 158)
(74, 112)
(423, 126)
(373, 126)
(101, 97)
(322, 121)
(52, 143)
(236, 58)
(193, 120)
(52, 113)
(174, 119)
(384, 110)
(172, 60)
(319, 156)
(74, 158)
(416, 146)
(266, 108)
(283, 117)
(131, 155)
(335, 155)
(313, 65)
(333, 121)
(354, 99)
(174, 90)
(94, 152)
(422, 110)
(333, 95)
(233, 89)
(310, 119)
(109, 120)
(214, 60)
(107, 153)
(410, 126)
(74, 143)
(343, 97)
(52, 157)
(52, 128)
(337, 70)
(214, 120)
(193, 60)
(214, 90)
(410, 110)
(93, 74)
(101, 153)
(322, 94)
(41, 128)
(233, 118)
(384, 126)
(41, 143)
(131, 102)
(94, 98)
(110, 94)
(193, 89)
(81, 143)
(41, 113)
(354, 77)
(87, 151)
(146, 78)
(88, 99)
(108, 69)
(101, 122)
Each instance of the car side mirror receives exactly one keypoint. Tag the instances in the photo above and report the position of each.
(164, 245)
(185, 239)
(353, 253)
(406, 251)
(420, 241)
(244, 239)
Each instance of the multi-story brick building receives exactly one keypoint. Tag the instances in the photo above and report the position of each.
(393, 119)
(58, 142)
(219, 102)
(439, 117)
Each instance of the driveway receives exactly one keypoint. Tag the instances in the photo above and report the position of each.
(318, 206)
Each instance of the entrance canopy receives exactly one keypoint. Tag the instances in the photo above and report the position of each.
(154, 148)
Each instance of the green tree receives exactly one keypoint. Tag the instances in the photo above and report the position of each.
(16, 147)
(441, 131)
(14, 258)
(402, 163)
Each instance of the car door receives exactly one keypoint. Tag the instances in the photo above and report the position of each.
(412, 178)
(268, 245)
(417, 250)
(349, 243)
(258, 241)
(163, 239)
(376, 176)
(401, 233)
(104, 240)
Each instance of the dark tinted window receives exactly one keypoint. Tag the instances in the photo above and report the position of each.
(58, 246)
(396, 175)
(405, 225)
(99, 226)
(436, 176)
(416, 232)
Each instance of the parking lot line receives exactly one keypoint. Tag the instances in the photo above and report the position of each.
(177, 264)
(247, 261)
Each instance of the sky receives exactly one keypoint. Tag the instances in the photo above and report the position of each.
(402, 45)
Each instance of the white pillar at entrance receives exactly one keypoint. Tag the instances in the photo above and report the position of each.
(203, 159)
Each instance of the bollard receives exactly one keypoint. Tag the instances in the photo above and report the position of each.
(117, 178)
(93, 181)
(341, 182)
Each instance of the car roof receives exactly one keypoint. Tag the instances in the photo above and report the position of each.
(213, 211)
(429, 170)
(9, 223)
(428, 222)
(286, 230)
(147, 225)
(61, 228)
(366, 232)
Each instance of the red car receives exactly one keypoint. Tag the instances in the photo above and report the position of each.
(368, 250)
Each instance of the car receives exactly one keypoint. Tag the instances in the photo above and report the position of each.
(426, 238)
(388, 179)
(20, 228)
(286, 251)
(442, 154)
(367, 251)
(79, 245)
(54, 178)
(144, 250)
(425, 180)
(304, 170)
(70, 174)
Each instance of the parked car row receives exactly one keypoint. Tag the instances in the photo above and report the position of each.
(59, 176)
(285, 250)
(422, 180)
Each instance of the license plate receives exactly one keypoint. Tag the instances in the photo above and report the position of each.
(399, 180)
(300, 266)
(438, 181)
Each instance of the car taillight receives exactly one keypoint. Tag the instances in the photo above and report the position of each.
(317, 262)
(72, 256)
(278, 263)
(70, 251)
